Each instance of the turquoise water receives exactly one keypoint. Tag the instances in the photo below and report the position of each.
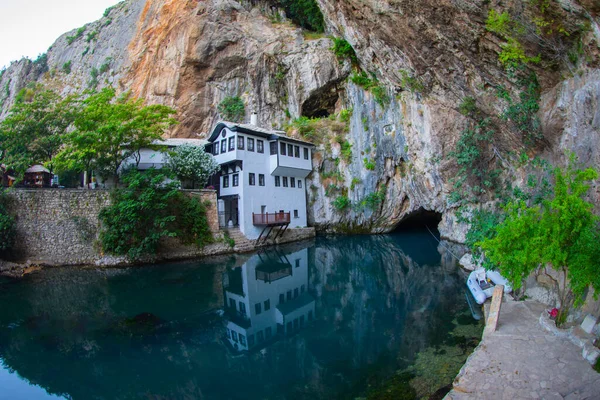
(331, 318)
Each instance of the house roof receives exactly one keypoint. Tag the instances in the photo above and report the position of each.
(253, 130)
(37, 169)
(175, 142)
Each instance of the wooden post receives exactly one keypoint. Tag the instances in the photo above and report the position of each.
(492, 320)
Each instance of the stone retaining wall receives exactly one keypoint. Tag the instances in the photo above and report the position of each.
(61, 226)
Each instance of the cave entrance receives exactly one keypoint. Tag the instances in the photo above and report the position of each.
(420, 219)
(321, 103)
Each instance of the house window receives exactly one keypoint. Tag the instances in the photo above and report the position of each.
(296, 214)
(260, 146)
(268, 332)
(232, 303)
(228, 333)
(234, 336)
(257, 308)
(261, 180)
(298, 263)
(251, 179)
(305, 153)
(293, 182)
(242, 308)
(302, 288)
(289, 327)
(290, 150)
(216, 148)
(242, 340)
(223, 133)
(297, 151)
(310, 315)
(273, 148)
(226, 181)
(299, 184)
(283, 149)
(250, 144)
(231, 144)
(301, 321)
(281, 298)
(240, 143)
(289, 295)
(224, 146)
(260, 336)
(296, 292)
(296, 324)
(251, 339)
(277, 181)
(236, 180)
(285, 183)
(267, 305)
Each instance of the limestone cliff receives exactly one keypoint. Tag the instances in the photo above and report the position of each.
(390, 157)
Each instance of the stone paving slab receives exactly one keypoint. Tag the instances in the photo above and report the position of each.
(521, 360)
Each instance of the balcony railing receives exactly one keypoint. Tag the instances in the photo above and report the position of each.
(281, 218)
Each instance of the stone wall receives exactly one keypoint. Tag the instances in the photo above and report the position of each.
(61, 226)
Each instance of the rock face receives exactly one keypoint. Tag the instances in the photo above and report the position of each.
(428, 56)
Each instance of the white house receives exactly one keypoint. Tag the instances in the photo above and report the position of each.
(267, 298)
(262, 180)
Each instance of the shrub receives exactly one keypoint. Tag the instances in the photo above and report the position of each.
(523, 114)
(106, 66)
(232, 109)
(148, 209)
(373, 200)
(344, 50)
(467, 106)
(91, 36)
(66, 68)
(341, 203)
(346, 114)
(77, 35)
(370, 165)
(7, 226)
(411, 82)
(346, 150)
(363, 80)
(192, 163)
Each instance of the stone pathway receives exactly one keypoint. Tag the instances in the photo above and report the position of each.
(522, 360)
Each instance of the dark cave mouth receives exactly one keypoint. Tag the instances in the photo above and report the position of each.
(420, 219)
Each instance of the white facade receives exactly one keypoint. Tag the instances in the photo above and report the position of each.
(267, 297)
(257, 177)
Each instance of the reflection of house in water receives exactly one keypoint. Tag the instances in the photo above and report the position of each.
(267, 297)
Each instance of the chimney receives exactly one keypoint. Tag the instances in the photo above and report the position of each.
(254, 119)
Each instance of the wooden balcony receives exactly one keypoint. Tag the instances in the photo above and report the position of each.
(274, 219)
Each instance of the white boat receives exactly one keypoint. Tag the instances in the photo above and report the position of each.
(481, 284)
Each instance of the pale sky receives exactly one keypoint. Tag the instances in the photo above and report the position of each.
(29, 27)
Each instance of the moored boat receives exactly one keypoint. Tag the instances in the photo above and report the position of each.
(481, 284)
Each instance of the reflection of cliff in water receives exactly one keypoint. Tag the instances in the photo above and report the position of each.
(153, 332)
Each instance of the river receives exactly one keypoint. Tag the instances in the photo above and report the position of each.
(342, 317)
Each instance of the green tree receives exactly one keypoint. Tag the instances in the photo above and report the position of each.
(110, 130)
(33, 131)
(562, 232)
(192, 163)
(232, 109)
